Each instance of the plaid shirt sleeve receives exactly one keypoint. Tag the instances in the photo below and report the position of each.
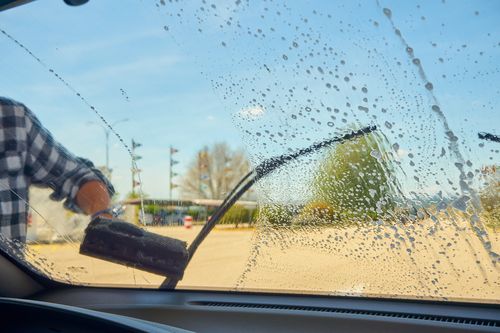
(49, 164)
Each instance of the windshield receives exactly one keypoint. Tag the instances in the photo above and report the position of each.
(168, 104)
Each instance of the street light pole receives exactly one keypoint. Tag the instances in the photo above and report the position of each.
(107, 130)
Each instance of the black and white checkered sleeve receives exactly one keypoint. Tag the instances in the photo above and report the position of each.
(49, 164)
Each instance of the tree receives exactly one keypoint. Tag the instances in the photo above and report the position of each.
(214, 171)
(135, 195)
(490, 195)
(276, 215)
(355, 181)
(239, 214)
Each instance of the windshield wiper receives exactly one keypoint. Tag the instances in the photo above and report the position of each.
(488, 136)
(262, 170)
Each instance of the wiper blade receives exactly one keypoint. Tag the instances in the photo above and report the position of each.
(262, 170)
(269, 165)
(488, 136)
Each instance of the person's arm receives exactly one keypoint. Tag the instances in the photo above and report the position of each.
(49, 164)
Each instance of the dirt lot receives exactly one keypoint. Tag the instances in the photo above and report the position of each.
(218, 262)
(413, 261)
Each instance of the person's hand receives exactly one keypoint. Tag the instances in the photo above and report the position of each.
(93, 199)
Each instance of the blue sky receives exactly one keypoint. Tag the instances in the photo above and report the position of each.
(169, 103)
(188, 87)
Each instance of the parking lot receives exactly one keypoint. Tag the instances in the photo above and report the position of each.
(218, 262)
(332, 261)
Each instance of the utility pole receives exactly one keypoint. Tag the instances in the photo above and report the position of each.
(171, 173)
(134, 169)
(107, 130)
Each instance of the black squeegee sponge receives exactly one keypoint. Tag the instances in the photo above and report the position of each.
(124, 243)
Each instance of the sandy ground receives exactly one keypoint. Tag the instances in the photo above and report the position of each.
(218, 262)
(416, 260)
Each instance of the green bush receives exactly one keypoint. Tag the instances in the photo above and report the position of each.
(318, 213)
(490, 201)
(322, 211)
(151, 209)
(357, 179)
(238, 214)
(254, 215)
(276, 215)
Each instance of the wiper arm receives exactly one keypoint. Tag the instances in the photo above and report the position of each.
(262, 170)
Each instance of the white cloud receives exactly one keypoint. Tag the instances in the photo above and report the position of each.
(402, 153)
(252, 112)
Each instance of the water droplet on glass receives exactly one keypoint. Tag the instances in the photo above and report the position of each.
(376, 154)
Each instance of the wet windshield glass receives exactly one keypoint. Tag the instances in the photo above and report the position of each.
(174, 102)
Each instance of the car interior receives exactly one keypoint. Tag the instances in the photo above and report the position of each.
(278, 166)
